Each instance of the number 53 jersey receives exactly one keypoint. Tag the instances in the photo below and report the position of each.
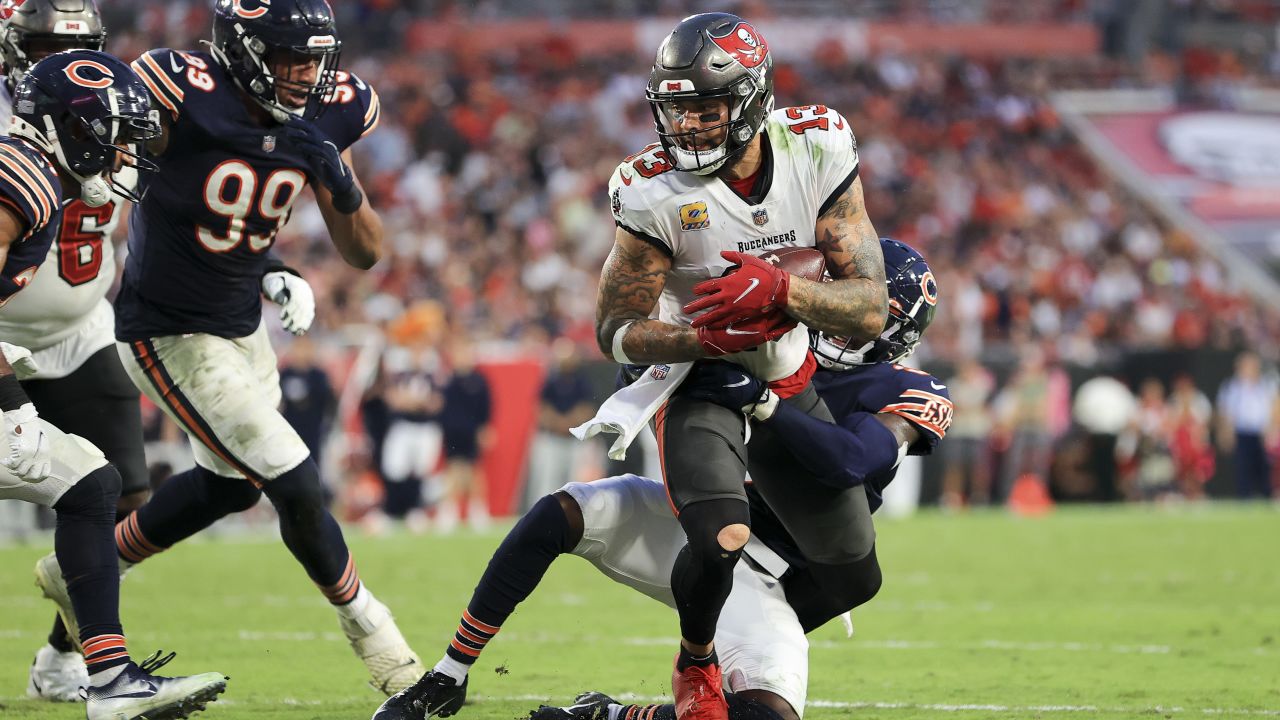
(226, 184)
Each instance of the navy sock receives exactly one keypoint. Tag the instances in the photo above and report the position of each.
(183, 505)
(740, 708)
(86, 552)
(516, 568)
(311, 533)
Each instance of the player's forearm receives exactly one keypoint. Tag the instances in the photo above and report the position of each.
(357, 236)
(852, 307)
(840, 456)
(646, 341)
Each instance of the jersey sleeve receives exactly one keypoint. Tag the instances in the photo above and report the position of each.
(27, 188)
(353, 112)
(925, 403)
(631, 209)
(165, 73)
(835, 151)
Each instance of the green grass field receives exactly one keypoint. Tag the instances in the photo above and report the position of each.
(1116, 613)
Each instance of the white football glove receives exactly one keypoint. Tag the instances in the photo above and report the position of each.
(294, 296)
(19, 358)
(28, 456)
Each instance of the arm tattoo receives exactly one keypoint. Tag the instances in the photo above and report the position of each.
(630, 285)
(856, 302)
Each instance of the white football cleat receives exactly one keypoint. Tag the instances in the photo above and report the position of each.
(136, 694)
(50, 581)
(57, 676)
(393, 665)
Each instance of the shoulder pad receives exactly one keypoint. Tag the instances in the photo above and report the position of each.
(28, 185)
(832, 147)
(171, 74)
(629, 187)
(354, 110)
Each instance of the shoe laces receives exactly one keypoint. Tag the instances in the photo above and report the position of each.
(155, 662)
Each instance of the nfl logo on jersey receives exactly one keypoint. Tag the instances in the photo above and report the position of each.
(760, 216)
(268, 143)
(659, 372)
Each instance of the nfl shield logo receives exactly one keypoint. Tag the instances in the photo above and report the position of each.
(760, 216)
(268, 143)
(658, 372)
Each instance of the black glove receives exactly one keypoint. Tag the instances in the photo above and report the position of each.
(726, 385)
(326, 164)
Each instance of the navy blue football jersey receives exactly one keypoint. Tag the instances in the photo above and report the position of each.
(912, 394)
(226, 184)
(29, 187)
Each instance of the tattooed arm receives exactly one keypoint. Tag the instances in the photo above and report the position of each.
(632, 280)
(856, 302)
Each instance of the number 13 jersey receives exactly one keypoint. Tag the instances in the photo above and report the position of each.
(810, 159)
(198, 241)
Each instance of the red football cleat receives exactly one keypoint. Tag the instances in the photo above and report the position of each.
(699, 695)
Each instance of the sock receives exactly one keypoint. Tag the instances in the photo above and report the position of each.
(59, 638)
(86, 555)
(311, 533)
(103, 653)
(183, 505)
(516, 568)
(686, 658)
(454, 669)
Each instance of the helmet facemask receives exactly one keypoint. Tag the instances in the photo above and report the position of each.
(722, 130)
(250, 61)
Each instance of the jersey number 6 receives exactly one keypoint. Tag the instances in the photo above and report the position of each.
(272, 204)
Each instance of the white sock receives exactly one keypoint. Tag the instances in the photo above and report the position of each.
(105, 677)
(358, 605)
(452, 668)
(614, 711)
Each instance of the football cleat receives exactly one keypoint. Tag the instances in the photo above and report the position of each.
(590, 705)
(50, 581)
(393, 665)
(136, 694)
(436, 694)
(57, 676)
(698, 693)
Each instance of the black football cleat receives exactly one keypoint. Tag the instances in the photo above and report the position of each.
(590, 705)
(435, 695)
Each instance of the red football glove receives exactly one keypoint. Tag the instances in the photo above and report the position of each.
(745, 335)
(749, 291)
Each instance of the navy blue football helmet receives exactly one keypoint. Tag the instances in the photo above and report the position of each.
(252, 36)
(86, 109)
(913, 300)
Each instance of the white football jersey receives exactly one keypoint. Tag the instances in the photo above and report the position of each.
(66, 301)
(694, 217)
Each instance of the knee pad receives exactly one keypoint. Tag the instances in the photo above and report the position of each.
(851, 584)
(703, 521)
(93, 495)
(298, 489)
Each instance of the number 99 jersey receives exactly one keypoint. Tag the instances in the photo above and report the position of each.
(226, 184)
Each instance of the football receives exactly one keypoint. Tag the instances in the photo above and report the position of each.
(805, 262)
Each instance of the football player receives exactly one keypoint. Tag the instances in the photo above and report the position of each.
(729, 178)
(64, 318)
(248, 123)
(623, 525)
(75, 117)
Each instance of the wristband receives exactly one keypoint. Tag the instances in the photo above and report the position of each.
(12, 395)
(348, 202)
(619, 355)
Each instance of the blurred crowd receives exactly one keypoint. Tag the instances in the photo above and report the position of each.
(489, 172)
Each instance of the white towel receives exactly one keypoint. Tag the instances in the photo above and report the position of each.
(627, 411)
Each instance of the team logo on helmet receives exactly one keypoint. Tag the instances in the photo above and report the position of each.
(929, 288)
(743, 44)
(237, 6)
(76, 71)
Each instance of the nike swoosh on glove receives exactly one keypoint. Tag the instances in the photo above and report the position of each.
(28, 458)
(326, 164)
(748, 291)
(736, 337)
(294, 296)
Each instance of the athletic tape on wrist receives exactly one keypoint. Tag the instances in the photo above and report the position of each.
(12, 395)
